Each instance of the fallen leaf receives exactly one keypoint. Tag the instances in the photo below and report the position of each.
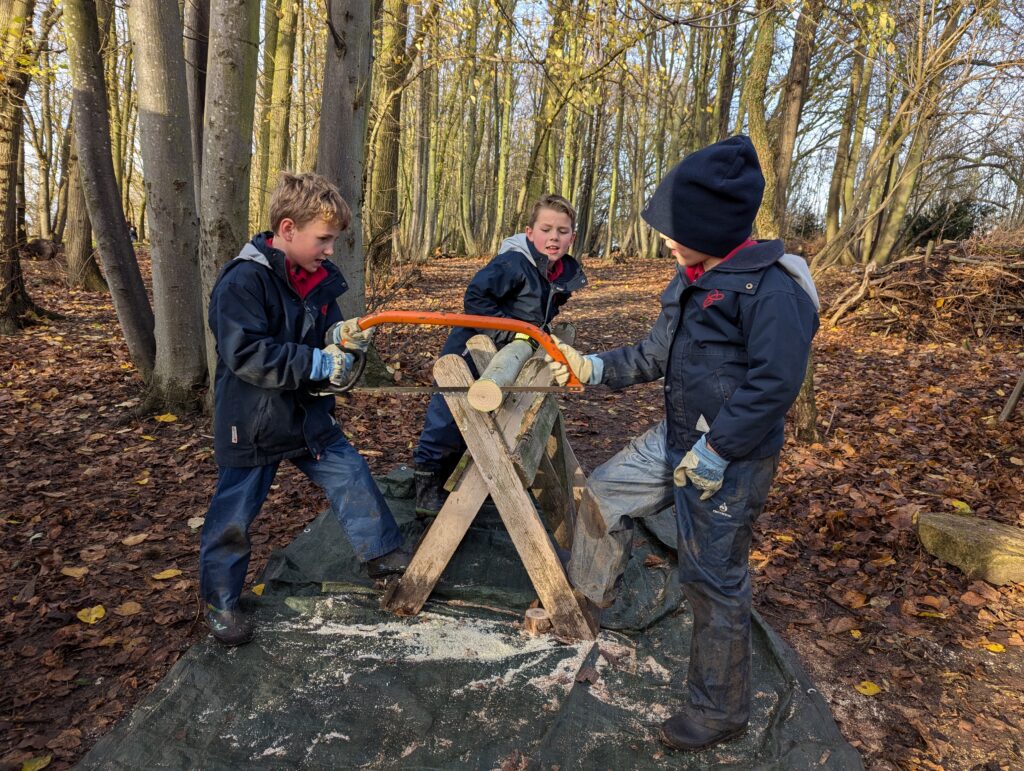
(960, 506)
(1016, 461)
(163, 575)
(34, 764)
(196, 522)
(91, 615)
(135, 540)
(973, 599)
(167, 417)
(995, 647)
(129, 608)
(74, 572)
(653, 560)
(92, 553)
(854, 599)
(258, 589)
(149, 438)
(868, 688)
(856, 634)
(783, 538)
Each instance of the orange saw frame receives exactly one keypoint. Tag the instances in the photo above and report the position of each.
(434, 318)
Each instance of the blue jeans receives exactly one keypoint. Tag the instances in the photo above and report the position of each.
(713, 544)
(340, 472)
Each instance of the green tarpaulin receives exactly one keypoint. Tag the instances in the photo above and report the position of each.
(331, 681)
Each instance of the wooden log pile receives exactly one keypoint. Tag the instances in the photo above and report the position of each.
(943, 293)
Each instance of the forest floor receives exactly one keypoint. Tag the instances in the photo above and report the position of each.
(96, 503)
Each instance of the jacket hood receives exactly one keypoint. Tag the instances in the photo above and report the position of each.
(571, 280)
(259, 251)
(796, 267)
(765, 253)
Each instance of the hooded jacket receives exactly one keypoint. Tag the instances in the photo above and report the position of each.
(265, 334)
(732, 347)
(515, 285)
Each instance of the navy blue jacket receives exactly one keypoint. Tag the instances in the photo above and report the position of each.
(514, 285)
(266, 333)
(732, 347)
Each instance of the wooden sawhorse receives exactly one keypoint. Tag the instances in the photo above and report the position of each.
(521, 445)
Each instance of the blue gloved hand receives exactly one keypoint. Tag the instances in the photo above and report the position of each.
(703, 467)
(332, 363)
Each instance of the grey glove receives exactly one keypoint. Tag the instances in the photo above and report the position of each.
(341, 364)
(582, 365)
(702, 466)
(347, 334)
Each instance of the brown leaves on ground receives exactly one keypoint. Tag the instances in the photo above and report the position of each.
(101, 509)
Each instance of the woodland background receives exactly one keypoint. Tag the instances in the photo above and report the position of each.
(890, 134)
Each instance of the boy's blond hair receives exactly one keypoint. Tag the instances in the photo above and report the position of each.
(556, 203)
(306, 197)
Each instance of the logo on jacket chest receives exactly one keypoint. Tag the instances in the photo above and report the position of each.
(712, 297)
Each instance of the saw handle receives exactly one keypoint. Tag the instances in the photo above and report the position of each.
(477, 322)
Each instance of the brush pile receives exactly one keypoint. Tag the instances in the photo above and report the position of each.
(956, 290)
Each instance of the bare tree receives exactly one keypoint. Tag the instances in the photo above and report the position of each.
(92, 133)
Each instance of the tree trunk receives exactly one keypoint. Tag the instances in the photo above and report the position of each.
(270, 27)
(166, 140)
(613, 188)
(92, 133)
(83, 272)
(280, 98)
(754, 95)
(805, 409)
(197, 38)
(791, 105)
(16, 31)
(503, 140)
(341, 151)
(835, 188)
(227, 146)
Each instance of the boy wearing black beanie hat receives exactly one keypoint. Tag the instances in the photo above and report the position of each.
(731, 343)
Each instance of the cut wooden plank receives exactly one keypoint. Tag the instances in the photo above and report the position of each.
(485, 393)
(494, 463)
(980, 548)
(435, 550)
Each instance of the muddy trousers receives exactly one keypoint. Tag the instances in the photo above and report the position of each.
(714, 549)
(340, 472)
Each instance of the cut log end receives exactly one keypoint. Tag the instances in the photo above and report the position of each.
(485, 396)
(536, 621)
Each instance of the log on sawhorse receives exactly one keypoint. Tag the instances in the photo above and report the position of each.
(519, 447)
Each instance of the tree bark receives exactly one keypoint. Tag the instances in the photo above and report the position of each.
(227, 146)
(92, 133)
(270, 27)
(280, 98)
(341, 154)
(197, 38)
(754, 94)
(166, 141)
(83, 272)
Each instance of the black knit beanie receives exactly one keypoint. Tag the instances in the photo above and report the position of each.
(709, 199)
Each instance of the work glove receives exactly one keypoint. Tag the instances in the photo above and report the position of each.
(702, 466)
(333, 364)
(582, 365)
(347, 334)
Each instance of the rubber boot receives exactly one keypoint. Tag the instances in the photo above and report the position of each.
(430, 492)
(683, 732)
(229, 627)
(395, 561)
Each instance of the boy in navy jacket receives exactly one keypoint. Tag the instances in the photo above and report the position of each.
(530, 280)
(731, 343)
(278, 330)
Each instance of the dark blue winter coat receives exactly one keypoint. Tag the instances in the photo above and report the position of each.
(732, 347)
(514, 285)
(266, 333)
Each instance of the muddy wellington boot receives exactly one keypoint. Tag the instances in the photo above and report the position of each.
(683, 732)
(430, 492)
(229, 627)
(395, 561)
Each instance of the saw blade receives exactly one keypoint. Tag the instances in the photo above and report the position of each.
(446, 390)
